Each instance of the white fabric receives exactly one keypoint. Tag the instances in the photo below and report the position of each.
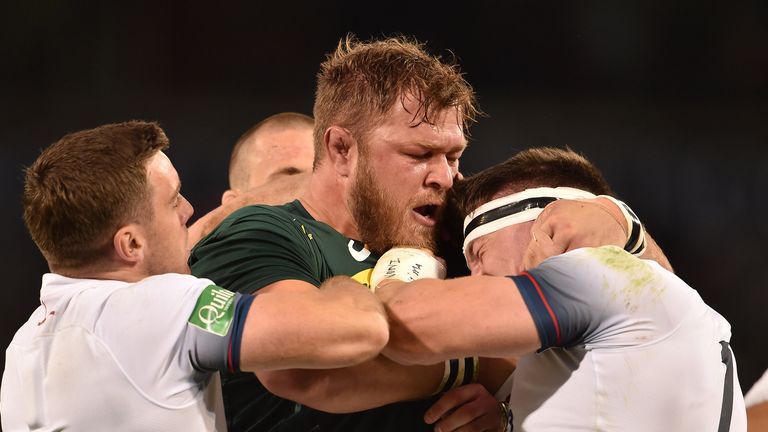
(759, 391)
(516, 218)
(647, 358)
(107, 356)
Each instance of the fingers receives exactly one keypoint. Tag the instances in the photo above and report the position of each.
(557, 221)
(541, 247)
(466, 408)
(447, 402)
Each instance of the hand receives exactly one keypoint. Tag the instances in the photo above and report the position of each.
(467, 408)
(571, 224)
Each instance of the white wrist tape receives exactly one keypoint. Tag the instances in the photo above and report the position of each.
(635, 231)
(406, 264)
(459, 372)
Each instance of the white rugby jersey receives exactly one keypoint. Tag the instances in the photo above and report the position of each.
(102, 355)
(759, 391)
(626, 346)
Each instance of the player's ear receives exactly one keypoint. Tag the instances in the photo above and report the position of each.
(474, 264)
(130, 243)
(341, 148)
(228, 196)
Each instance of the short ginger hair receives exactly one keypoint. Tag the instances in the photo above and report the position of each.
(360, 82)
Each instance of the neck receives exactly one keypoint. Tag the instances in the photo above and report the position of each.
(326, 200)
(124, 274)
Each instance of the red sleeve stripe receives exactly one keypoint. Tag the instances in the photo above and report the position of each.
(230, 360)
(546, 304)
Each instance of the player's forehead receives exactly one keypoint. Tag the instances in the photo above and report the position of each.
(161, 174)
(497, 243)
(406, 124)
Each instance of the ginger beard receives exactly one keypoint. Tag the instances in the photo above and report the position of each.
(383, 222)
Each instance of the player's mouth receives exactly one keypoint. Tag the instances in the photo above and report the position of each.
(426, 214)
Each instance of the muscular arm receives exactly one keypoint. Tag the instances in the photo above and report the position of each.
(565, 225)
(296, 325)
(654, 253)
(263, 250)
(368, 385)
(374, 383)
(432, 320)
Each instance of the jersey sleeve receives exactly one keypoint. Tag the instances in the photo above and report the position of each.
(254, 247)
(214, 331)
(168, 331)
(600, 297)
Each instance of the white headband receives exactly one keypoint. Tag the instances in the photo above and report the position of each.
(514, 209)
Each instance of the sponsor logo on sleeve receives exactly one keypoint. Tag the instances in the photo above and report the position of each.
(214, 310)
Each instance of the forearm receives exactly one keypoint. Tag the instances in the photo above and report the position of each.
(275, 192)
(208, 222)
(654, 253)
(375, 383)
(352, 295)
(292, 324)
(433, 320)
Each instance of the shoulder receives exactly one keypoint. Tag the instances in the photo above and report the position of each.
(255, 218)
(257, 214)
(164, 295)
(588, 263)
(157, 309)
(599, 290)
(172, 284)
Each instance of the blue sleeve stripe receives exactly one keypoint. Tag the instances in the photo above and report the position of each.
(236, 335)
(543, 315)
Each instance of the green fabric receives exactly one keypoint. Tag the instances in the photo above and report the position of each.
(260, 245)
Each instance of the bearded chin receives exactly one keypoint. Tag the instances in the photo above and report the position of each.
(380, 223)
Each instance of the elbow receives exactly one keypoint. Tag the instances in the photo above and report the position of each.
(317, 389)
(406, 348)
(410, 355)
(364, 343)
(398, 355)
(375, 338)
(409, 344)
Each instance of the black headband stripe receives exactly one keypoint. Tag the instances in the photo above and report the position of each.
(506, 210)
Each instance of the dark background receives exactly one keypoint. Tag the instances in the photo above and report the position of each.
(670, 99)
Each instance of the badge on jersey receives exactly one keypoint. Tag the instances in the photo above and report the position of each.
(214, 310)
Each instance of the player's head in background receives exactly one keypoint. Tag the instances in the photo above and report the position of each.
(106, 202)
(391, 118)
(279, 145)
(491, 213)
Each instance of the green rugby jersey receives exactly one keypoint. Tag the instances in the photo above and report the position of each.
(257, 246)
